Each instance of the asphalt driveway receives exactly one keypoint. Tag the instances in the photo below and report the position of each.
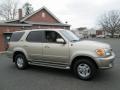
(41, 78)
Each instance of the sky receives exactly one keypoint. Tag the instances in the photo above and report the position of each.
(78, 13)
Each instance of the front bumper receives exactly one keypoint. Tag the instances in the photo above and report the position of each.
(105, 63)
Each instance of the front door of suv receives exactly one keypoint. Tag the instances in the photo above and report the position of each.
(54, 52)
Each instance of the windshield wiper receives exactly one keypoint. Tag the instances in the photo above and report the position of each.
(74, 40)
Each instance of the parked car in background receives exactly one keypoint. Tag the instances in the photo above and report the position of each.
(59, 48)
(100, 36)
(116, 35)
(81, 36)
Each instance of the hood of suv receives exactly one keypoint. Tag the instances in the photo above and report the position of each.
(94, 44)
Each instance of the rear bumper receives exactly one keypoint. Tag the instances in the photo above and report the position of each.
(106, 63)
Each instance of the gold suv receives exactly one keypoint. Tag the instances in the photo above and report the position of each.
(59, 48)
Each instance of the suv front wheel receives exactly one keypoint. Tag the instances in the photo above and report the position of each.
(20, 61)
(84, 69)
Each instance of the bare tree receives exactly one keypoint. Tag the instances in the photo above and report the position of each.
(8, 9)
(110, 22)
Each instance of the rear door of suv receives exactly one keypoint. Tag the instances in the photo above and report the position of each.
(33, 45)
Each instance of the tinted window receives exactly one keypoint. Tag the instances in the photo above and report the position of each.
(35, 36)
(16, 36)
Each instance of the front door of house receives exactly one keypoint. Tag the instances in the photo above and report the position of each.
(7, 37)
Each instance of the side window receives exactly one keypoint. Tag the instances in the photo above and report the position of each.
(51, 36)
(34, 36)
(16, 36)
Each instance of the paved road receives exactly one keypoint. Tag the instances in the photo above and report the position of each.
(41, 78)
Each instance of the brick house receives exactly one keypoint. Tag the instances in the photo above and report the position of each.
(40, 19)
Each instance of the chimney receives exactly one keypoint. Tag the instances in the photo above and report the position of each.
(20, 14)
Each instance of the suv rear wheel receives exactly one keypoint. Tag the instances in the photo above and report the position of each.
(20, 61)
(84, 69)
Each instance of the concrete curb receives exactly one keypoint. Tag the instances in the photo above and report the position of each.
(1, 53)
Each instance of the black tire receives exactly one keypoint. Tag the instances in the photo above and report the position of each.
(24, 63)
(92, 69)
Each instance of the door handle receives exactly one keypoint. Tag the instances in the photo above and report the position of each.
(47, 47)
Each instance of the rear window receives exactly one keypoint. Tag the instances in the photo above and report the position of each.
(16, 36)
(35, 36)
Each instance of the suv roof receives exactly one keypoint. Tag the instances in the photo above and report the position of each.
(40, 30)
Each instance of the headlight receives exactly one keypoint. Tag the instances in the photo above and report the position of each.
(103, 52)
(100, 52)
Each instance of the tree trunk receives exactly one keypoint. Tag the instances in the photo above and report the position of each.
(112, 35)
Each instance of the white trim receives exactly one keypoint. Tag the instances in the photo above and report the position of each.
(39, 11)
(11, 20)
(43, 23)
(11, 24)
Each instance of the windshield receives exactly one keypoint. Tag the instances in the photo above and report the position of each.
(70, 35)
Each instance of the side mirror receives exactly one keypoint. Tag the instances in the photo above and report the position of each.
(60, 40)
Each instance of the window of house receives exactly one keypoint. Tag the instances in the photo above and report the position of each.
(43, 14)
(34, 36)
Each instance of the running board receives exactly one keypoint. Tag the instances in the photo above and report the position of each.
(60, 66)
